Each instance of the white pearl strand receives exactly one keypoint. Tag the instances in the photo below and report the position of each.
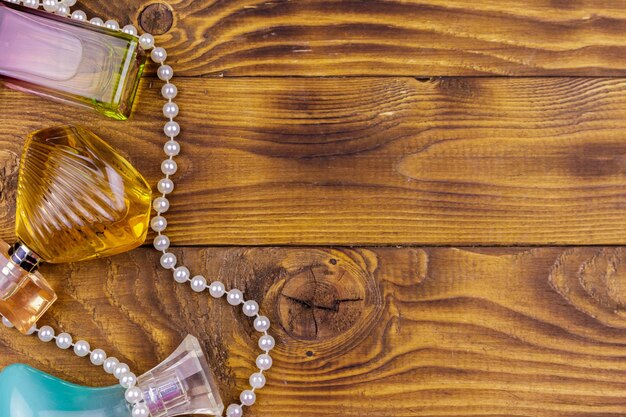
(98, 357)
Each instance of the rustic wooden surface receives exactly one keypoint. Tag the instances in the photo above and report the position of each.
(374, 161)
(335, 201)
(359, 37)
(377, 332)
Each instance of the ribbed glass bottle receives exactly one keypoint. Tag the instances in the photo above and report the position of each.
(77, 199)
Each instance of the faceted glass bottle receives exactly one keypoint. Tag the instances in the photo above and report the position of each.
(69, 61)
(77, 199)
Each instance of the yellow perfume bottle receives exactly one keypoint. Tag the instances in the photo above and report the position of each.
(77, 199)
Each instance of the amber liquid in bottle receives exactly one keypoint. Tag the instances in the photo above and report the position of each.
(77, 199)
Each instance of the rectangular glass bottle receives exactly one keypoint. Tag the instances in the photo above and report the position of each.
(69, 61)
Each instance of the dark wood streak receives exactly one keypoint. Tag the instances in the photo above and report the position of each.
(367, 161)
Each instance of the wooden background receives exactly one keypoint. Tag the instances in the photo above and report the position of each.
(427, 197)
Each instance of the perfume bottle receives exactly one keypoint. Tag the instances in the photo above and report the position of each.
(25, 391)
(181, 385)
(77, 199)
(69, 61)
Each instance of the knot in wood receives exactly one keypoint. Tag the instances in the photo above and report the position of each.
(321, 302)
(594, 282)
(157, 18)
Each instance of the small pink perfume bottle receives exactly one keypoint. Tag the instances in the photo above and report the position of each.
(69, 61)
(182, 384)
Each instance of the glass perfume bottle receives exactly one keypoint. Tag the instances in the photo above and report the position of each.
(181, 385)
(77, 199)
(69, 61)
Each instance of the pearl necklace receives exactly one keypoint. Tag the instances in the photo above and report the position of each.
(181, 274)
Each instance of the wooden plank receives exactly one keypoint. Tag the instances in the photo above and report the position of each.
(415, 38)
(373, 332)
(371, 161)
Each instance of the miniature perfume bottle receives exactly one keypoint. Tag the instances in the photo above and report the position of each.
(181, 385)
(69, 61)
(77, 199)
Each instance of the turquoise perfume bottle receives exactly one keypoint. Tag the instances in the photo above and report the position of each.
(181, 385)
(25, 391)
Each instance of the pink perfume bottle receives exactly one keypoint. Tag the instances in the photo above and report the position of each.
(182, 384)
(69, 61)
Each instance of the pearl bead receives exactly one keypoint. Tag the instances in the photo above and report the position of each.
(34, 4)
(146, 41)
(257, 380)
(264, 361)
(262, 324)
(234, 297)
(133, 395)
(69, 3)
(267, 343)
(158, 55)
(46, 334)
(169, 167)
(198, 283)
(79, 15)
(158, 223)
(32, 330)
(7, 323)
(250, 308)
(165, 72)
(128, 380)
(171, 129)
(112, 24)
(161, 243)
(97, 21)
(110, 364)
(169, 91)
(50, 5)
(130, 30)
(171, 148)
(217, 289)
(247, 397)
(161, 204)
(81, 348)
(165, 186)
(140, 410)
(170, 109)
(120, 370)
(168, 260)
(234, 410)
(64, 341)
(181, 274)
(63, 10)
(97, 357)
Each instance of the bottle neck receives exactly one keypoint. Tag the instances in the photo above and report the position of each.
(23, 257)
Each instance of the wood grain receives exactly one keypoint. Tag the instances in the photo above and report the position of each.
(388, 332)
(371, 161)
(356, 37)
